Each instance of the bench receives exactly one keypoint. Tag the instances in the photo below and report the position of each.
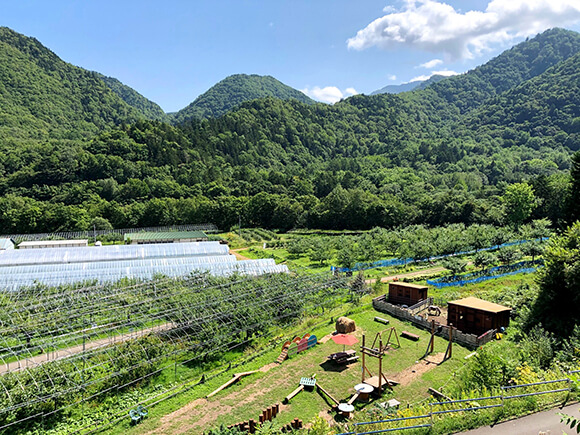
(138, 414)
(410, 335)
(343, 357)
(347, 360)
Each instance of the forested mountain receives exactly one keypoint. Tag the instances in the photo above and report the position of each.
(411, 86)
(397, 89)
(440, 155)
(522, 62)
(435, 78)
(233, 91)
(134, 99)
(43, 96)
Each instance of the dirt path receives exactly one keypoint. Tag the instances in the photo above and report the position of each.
(180, 421)
(238, 255)
(408, 375)
(73, 350)
(406, 275)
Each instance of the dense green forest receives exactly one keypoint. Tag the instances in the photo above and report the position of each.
(147, 107)
(235, 90)
(76, 151)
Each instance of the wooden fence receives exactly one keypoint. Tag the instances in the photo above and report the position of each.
(420, 306)
(471, 341)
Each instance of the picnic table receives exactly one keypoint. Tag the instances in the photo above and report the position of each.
(344, 357)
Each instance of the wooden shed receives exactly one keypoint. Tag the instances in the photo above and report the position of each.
(476, 316)
(405, 293)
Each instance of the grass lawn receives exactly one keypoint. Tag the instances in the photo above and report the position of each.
(191, 413)
(188, 412)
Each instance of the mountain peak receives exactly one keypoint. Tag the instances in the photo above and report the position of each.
(235, 90)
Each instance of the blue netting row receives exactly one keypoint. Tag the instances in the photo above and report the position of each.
(401, 261)
(486, 274)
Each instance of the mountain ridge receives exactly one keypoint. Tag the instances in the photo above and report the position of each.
(235, 90)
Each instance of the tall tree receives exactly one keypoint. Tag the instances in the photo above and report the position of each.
(558, 305)
(573, 206)
(519, 200)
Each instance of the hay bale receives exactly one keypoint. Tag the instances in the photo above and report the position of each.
(344, 325)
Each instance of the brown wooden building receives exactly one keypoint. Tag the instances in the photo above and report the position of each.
(404, 293)
(476, 316)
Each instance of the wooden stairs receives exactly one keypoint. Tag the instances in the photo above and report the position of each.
(283, 356)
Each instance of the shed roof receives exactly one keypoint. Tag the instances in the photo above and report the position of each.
(407, 284)
(479, 304)
(166, 235)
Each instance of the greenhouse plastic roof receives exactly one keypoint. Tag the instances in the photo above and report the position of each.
(165, 235)
(111, 252)
(58, 266)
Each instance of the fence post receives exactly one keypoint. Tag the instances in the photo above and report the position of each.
(431, 413)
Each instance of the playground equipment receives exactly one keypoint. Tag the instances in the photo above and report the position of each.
(291, 348)
(362, 392)
(378, 352)
(310, 383)
(410, 335)
(250, 425)
(431, 344)
(304, 382)
(138, 414)
(236, 378)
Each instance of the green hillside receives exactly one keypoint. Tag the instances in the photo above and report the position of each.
(233, 91)
(522, 62)
(43, 96)
(411, 86)
(543, 111)
(134, 99)
(383, 160)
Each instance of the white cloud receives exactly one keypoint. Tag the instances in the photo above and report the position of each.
(437, 27)
(420, 78)
(445, 73)
(424, 77)
(328, 94)
(392, 77)
(431, 64)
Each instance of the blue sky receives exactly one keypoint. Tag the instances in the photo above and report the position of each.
(172, 51)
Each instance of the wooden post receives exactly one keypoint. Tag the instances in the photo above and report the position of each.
(261, 418)
(294, 393)
(363, 360)
(432, 335)
(449, 350)
(450, 339)
(269, 414)
(252, 425)
(327, 393)
(381, 366)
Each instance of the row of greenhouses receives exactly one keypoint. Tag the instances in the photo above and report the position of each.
(60, 266)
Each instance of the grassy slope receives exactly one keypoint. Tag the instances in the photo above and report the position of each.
(246, 399)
